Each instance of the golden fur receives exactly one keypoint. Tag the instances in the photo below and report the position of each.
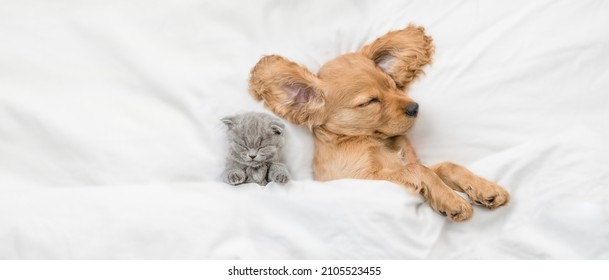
(355, 107)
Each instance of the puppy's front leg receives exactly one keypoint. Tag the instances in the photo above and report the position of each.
(424, 181)
(477, 188)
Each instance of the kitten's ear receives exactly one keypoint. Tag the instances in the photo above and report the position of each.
(228, 121)
(277, 128)
(288, 89)
(401, 54)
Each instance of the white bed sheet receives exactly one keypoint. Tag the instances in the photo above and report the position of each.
(110, 144)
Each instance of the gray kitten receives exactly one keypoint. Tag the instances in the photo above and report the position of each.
(256, 142)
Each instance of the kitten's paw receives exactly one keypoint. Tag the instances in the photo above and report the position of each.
(280, 176)
(235, 177)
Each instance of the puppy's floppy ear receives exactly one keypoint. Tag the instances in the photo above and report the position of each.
(288, 89)
(402, 54)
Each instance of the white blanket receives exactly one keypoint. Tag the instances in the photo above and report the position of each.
(111, 145)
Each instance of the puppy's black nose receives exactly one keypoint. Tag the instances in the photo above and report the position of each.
(412, 110)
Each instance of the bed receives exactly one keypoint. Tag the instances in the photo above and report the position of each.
(111, 145)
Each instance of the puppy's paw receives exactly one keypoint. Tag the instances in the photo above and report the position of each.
(280, 176)
(454, 208)
(235, 177)
(488, 194)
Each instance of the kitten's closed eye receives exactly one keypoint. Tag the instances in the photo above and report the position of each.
(237, 146)
(268, 149)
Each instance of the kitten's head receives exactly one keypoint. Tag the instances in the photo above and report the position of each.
(254, 138)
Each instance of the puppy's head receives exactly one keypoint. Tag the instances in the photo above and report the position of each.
(359, 93)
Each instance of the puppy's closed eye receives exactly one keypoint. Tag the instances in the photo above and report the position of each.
(371, 101)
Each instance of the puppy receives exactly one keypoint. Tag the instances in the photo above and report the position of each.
(358, 111)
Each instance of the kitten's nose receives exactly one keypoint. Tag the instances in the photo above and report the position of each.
(412, 110)
(252, 156)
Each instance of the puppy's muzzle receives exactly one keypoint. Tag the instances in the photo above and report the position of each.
(412, 110)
